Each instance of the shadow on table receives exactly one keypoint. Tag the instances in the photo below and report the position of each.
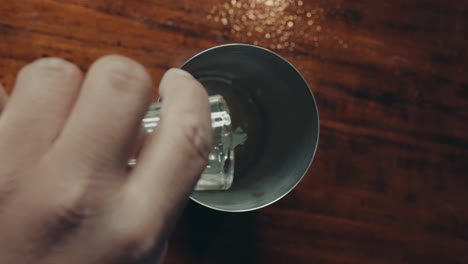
(207, 236)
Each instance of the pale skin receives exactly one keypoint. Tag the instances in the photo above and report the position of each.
(66, 194)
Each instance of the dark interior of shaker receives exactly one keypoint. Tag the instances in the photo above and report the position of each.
(271, 102)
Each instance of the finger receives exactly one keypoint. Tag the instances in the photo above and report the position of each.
(173, 158)
(115, 95)
(43, 96)
(3, 98)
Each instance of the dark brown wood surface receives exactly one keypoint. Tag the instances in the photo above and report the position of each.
(389, 183)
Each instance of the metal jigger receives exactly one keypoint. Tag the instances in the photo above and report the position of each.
(275, 115)
(271, 102)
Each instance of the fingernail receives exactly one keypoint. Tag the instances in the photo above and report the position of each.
(51, 62)
(180, 72)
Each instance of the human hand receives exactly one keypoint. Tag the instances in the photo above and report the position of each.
(66, 193)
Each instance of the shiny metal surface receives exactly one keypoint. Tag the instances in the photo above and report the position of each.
(272, 103)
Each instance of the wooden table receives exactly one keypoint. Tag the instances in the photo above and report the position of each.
(389, 183)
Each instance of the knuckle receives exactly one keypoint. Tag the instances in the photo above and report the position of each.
(65, 216)
(136, 243)
(66, 208)
(53, 67)
(63, 222)
(124, 74)
(133, 234)
(71, 206)
(196, 136)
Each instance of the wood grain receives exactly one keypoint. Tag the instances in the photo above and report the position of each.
(389, 181)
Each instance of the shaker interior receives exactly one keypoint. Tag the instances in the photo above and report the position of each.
(272, 103)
